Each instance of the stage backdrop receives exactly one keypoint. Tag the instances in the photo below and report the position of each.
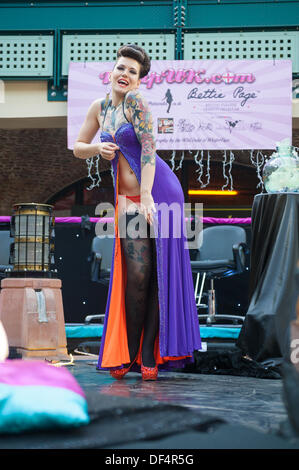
(199, 104)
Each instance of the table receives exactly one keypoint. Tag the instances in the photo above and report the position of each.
(273, 289)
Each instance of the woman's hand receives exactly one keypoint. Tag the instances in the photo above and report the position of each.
(107, 150)
(147, 206)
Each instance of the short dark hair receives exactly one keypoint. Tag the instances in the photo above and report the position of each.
(137, 53)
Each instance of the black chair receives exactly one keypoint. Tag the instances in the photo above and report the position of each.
(6, 242)
(221, 252)
(101, 260)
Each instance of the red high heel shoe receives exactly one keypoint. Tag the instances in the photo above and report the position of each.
(120, 373)
(149, 373)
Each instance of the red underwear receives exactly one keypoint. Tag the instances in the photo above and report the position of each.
(134, 198)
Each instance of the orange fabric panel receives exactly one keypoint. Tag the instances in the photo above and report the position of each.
(116, 350)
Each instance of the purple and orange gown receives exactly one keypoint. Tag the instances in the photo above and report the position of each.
(178, 335)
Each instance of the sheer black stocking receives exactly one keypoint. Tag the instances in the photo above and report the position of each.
(141, 295)
(151, 325)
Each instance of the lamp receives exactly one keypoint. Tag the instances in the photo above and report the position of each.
(32, 227)
(31, 307)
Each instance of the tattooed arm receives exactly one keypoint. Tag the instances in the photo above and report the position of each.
(143, 124)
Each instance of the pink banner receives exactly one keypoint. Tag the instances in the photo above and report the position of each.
(208, 104)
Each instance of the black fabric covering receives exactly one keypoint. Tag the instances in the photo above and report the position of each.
(231, 362)
(116, 420)
(221, 360)
(290, 373)
(273, 291)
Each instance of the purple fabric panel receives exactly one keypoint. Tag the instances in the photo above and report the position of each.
(178, 315)
(33, 372)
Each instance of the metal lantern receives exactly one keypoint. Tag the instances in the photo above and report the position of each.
(32, 226)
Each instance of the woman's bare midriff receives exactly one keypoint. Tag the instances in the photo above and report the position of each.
(127, 186)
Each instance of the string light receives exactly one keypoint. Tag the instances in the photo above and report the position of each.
(90, 163)
(181, 160)
(224, 171)
(207, 172)
(229, 164)
(112, 175)
(200, 168)
(258, 162)
(172, 160)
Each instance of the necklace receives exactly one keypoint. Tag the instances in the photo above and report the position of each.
(113, 113)
(113, 107)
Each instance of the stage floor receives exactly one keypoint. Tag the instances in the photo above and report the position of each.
(178, 411)
(253, 408)
(238, 400)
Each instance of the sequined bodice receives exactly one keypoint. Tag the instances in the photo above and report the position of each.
(125, 137)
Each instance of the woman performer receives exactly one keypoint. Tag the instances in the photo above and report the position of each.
(151, 317)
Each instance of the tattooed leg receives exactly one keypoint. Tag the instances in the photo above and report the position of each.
(138, 261)
(151, 325)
